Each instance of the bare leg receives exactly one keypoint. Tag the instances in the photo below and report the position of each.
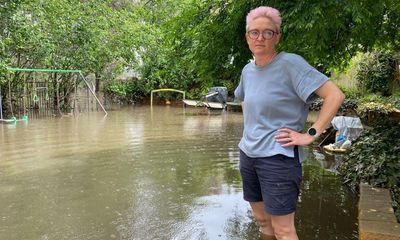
(263, 219)
(284, 227)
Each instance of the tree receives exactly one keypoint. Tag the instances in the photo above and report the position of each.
(95, 36)
(205, 41)
(187, 44)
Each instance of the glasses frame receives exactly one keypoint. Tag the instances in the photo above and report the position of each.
(258, 34)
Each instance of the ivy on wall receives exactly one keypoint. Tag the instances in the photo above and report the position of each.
(375, 158)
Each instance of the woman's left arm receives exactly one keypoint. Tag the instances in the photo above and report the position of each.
(333, 98)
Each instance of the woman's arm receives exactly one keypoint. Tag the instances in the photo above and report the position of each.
(333, 98)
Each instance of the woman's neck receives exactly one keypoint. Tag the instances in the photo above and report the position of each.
(265, 59)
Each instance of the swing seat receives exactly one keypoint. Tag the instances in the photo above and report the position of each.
(11, 120)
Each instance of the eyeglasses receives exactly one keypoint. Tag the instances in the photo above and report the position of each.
(267, 34)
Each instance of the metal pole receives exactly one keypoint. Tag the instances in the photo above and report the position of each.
(90, 89)
(76, 92)
(87, 98)
(151, 99)
(24, 96)
(1, 105)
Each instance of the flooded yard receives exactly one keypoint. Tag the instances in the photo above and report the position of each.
(142, 173)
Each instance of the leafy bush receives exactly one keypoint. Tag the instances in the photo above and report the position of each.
(125, 91)
(374, 106)
(395, 99)
(316, 104)
(350, 93)
(375, 158)
(375, 71)
(3, 71)
(369, 107)
(348, 106)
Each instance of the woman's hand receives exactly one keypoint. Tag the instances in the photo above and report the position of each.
(288, 137)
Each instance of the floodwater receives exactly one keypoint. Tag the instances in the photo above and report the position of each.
(142, 173)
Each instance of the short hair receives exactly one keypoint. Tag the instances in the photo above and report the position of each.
(267, 12)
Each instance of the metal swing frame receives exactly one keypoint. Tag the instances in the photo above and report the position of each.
(77, 80)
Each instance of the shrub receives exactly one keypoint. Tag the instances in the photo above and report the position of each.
(348, 106)
(375, 71)
(128, 91)
(316, 104)
(3, 72)
(375, 158)
(372, 107)
(395, 99)
(350, 93)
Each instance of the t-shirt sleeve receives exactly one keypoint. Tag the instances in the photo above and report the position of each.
(239, 91)
(307, 81)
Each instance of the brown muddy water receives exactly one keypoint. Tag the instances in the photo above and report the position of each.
(138, 174)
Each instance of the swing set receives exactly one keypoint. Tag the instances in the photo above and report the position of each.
(45, 91)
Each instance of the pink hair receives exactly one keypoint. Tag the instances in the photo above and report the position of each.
(265, 11)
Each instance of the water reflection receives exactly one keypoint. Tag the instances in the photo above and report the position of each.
(165, 173)
(324, 203)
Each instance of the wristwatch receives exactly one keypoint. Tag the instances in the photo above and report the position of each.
(312, 132)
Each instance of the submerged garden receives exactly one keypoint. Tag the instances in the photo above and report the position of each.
(127, 48)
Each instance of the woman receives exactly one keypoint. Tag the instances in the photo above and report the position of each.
(275, 91)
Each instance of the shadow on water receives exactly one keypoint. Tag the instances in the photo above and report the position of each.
(168, 173)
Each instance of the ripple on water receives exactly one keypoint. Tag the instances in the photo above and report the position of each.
(142, 174)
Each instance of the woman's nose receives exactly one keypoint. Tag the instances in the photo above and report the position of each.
(260, 37)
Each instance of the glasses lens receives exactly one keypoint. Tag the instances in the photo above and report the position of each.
(268, 34)
(253, 34)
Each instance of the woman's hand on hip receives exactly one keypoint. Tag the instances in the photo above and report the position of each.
(288, 138)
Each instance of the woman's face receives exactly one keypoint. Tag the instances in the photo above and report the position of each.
(261, 46)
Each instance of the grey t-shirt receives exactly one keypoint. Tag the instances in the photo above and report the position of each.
(275, 96)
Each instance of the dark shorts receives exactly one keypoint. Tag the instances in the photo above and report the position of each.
(274, 180)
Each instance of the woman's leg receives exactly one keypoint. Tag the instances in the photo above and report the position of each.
(284, 228)
(280, 178)
(263, 219)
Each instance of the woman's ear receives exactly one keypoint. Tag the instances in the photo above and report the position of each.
(278, 39)
(246, 37)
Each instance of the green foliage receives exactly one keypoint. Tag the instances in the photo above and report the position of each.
(198, 46)
(395, 99)
(204, 44)
(349, 105)
(117, 89)
(374, 104)
(127, 91)
(3, 71)
(369, 108)
(375, 158)
(62, 34)
(190, 44)
(376, 71)
(350, 92)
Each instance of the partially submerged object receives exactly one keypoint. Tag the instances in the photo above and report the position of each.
(332, 148)
(198, 103)
(216, 98)
(14, 120)
(347, 130)
(11, 120)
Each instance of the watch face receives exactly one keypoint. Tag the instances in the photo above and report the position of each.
(312, 131)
